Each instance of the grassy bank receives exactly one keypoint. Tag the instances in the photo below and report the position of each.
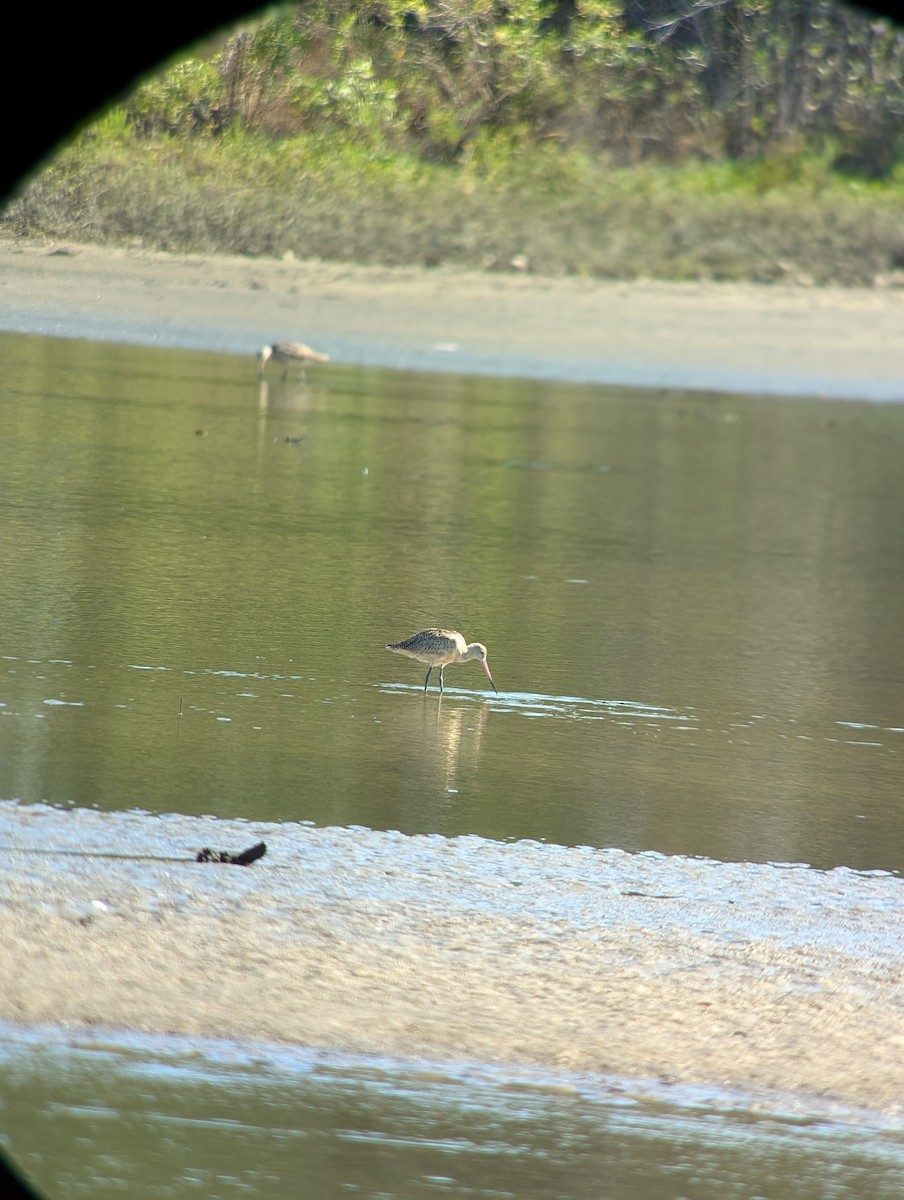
(547, 209)
(744, 141)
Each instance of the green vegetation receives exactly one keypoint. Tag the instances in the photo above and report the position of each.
(756, 139)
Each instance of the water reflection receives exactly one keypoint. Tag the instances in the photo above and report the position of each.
(692, 602)
(446, 734)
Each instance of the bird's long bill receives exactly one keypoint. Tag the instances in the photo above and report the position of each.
(486, 667)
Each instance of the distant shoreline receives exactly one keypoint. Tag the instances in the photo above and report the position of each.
(722, 337)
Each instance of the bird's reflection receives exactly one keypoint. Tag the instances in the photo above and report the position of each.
(456, 736)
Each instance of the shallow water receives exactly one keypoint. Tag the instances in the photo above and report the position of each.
(692, 604)
(164, 1117)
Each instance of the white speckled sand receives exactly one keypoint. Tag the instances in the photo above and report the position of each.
(770, 980)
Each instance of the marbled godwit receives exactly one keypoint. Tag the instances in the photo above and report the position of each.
(439, 647)
(289, 353)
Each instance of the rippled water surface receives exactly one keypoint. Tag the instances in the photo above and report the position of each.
(169, 1117)
(692, 604)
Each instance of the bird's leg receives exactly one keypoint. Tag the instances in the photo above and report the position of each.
(427, 680)
(442, 668)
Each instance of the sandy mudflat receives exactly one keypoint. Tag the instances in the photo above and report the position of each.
(781, 985)
(798, 340)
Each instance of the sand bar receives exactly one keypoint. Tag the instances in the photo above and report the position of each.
(766, 981)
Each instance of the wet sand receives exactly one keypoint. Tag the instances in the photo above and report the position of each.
(793, 339)
(777, 983)
(781, 985)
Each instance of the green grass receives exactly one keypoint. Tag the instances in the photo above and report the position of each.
(786, 217)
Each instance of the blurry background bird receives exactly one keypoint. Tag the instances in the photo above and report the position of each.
(290, 353)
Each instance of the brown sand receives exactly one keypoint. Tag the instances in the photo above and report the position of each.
(832, 341)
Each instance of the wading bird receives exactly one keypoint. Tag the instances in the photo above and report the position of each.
(290, 353)
(439, 647)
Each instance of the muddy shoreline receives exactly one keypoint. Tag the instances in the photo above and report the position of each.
(836, 342)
